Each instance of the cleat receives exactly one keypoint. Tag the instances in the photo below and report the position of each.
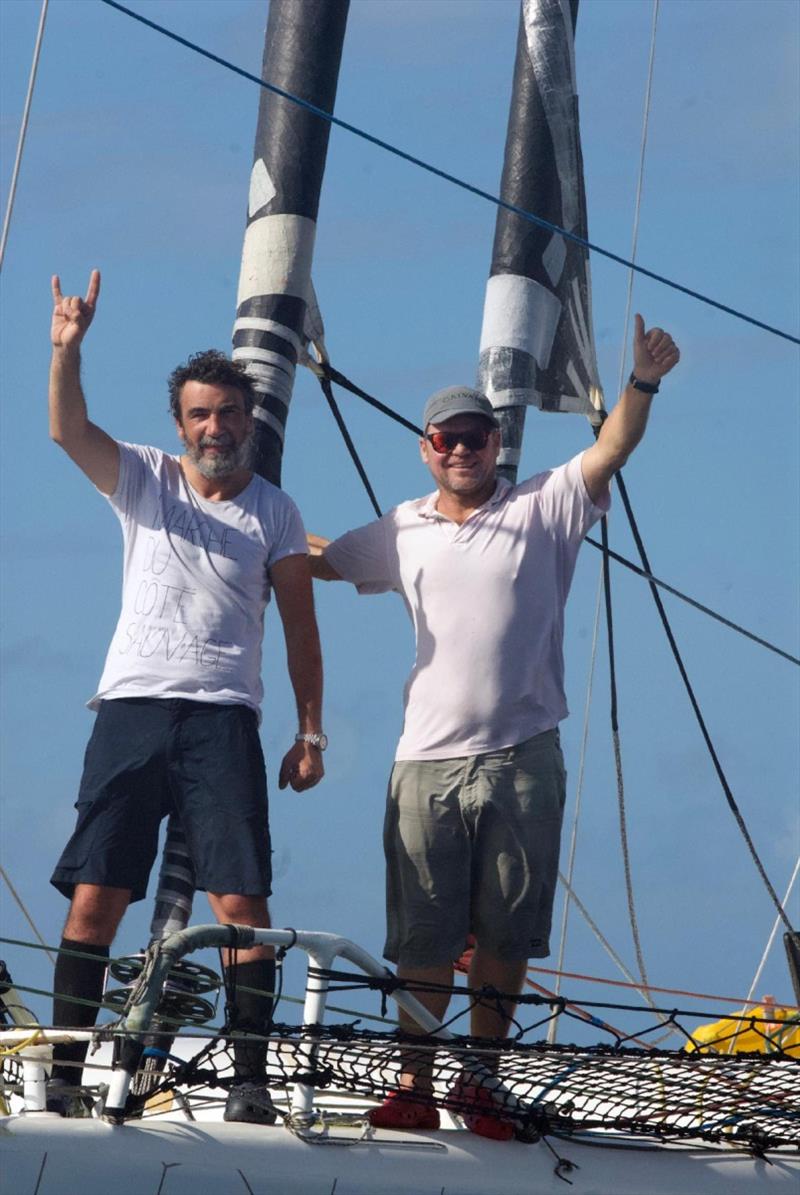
(401, 1111)
(250, 1103)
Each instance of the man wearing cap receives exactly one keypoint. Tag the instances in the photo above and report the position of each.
(477, 790)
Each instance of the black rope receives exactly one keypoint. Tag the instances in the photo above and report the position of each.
(449, 178)
(346, 384)
(351, 448)
(353, 981)
(734, 808)
(734, 626)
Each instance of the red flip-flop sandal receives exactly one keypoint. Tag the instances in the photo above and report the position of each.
(482, 1124)
(401, 1111)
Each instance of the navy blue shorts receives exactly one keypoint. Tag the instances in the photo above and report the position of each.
(149, 757)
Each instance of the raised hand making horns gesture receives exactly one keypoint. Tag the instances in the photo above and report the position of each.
(72, 315)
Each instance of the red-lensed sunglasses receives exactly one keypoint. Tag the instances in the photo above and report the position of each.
(473, 440)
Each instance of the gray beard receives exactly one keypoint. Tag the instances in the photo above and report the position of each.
(222, 464)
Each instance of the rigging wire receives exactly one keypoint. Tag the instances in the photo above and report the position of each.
(351, 448)
(734, 626)
(450, 178)
(26, 111)
(619, 983)
(729, 797)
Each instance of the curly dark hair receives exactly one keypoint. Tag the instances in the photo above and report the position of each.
(214, 369)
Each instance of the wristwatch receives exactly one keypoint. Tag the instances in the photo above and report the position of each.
(645, 387)
(316, 740)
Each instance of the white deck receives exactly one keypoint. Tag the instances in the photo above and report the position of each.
(42, 1154)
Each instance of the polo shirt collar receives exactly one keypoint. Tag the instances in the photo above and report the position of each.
(428, 508)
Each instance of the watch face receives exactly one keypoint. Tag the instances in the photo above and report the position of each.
(322, 741)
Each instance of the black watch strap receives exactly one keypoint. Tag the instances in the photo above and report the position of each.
(645, 387)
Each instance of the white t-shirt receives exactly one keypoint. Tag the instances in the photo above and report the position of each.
(195, 583)
(487, 602)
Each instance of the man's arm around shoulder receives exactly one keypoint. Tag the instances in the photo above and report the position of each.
(92, 449)
(321, 569)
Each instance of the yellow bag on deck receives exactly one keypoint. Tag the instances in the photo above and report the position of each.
(767, 1029)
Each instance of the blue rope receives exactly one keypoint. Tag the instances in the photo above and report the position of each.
(450, 178)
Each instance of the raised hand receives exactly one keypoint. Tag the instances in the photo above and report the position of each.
(72, 315)
(655, 353)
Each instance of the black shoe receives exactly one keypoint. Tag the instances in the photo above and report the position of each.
(250, 1103)
(63, 1098)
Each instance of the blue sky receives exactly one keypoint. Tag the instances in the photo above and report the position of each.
(138, 161)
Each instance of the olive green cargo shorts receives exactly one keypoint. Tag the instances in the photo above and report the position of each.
(472, 847)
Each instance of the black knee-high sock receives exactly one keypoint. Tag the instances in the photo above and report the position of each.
(253, 1015)
(82, 978)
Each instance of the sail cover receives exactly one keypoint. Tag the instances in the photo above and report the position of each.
(537, 345)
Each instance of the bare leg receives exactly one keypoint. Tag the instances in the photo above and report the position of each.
(242, 910)
(491, 1019)
(417, 1070)
(95, 913)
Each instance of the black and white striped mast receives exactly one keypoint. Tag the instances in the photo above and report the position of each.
(276, 312)
(537, 343)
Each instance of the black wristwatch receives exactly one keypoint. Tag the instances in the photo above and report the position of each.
(645, 387)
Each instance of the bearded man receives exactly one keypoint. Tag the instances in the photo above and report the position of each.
(178, 705)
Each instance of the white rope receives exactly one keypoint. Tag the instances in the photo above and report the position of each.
(604, 942)
(634, 244)
(25, 913)
(23, 130)
(638, 201)
(770, 941)
(552, 1031)
(775, 928)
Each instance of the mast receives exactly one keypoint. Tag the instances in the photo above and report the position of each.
(537, 342)
(302, 52)
(276, 311)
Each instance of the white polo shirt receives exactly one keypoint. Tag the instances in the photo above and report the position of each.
(487, 602)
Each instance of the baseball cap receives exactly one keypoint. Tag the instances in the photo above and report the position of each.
(457, 400)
